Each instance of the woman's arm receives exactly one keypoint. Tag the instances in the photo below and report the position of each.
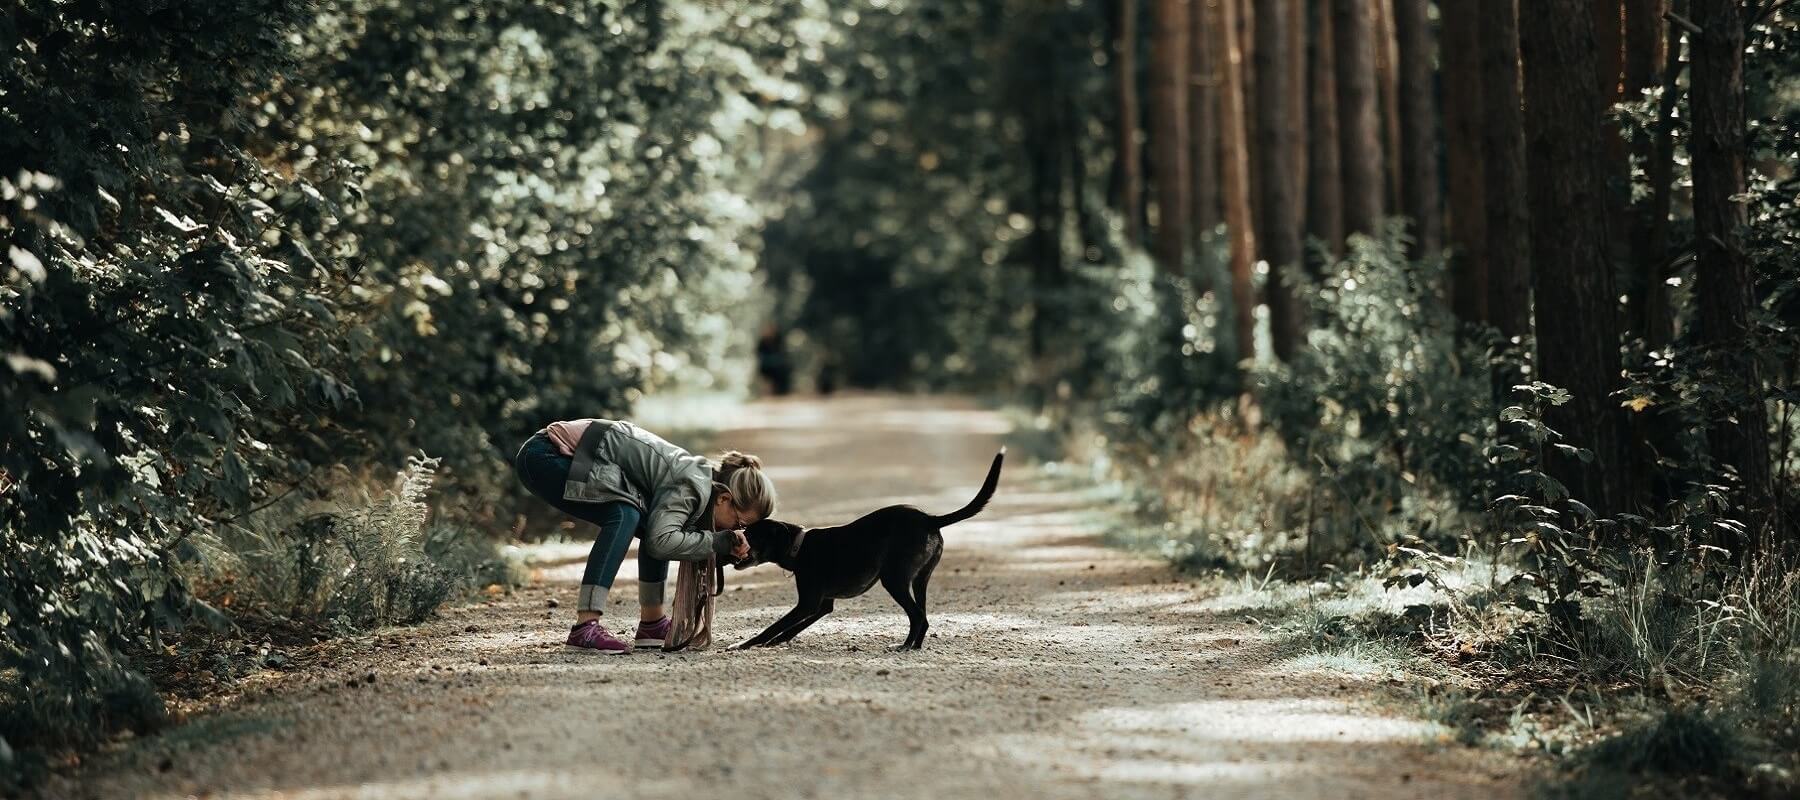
(666, 537)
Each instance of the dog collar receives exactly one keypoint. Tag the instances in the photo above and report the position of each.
(794, 550)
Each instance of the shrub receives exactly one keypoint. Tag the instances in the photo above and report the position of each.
(353, 565)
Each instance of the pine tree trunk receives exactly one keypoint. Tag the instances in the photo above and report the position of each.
(1387, 81)
(1723, 284)
(1576, 305)
(1169, 132)
(1420, 196)
(1297, 100)
(1324, 176)
(1203, 121)
(1464, 178)
(1609, 71)
(1131, 179)
(1236, 172)
(1645, 59)
(1508, 247)
(1658, 327)
(1359, 114)
(1279, 208)
(1246, 42)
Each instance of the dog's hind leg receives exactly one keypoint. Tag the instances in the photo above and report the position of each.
(919, 582)
(896, 584)
(794, 630)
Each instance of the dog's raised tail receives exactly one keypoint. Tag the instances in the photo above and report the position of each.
(981, 498)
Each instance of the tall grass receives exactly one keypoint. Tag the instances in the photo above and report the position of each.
(352, 565)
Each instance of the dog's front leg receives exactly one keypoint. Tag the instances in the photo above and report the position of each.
(795, 629)
(807, 607)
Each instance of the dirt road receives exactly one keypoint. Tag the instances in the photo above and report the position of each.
(1055, 667)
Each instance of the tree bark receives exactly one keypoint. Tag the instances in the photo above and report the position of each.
(1387, 81)
(1738, 435)
(1645, 59)
(1609, 71)
(1203, 121)
(1508, 248)
(1237, 179)
(1658, 327)
(1169, 132)
(1467, 200)
(1279, 209)
(1131, 180)
(1421, 197)
(1324, 178)
(1576, 305)
(1359, 112)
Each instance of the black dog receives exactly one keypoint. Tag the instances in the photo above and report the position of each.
(897, 545)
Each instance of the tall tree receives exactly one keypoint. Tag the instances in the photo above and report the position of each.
(1278, 218)
(1576, 305)
(1359, 112)
(1044, 157)
(1131, 179)
(1737, 435)
(1420, 196)
(1236, 173)
(1324, 177)
(1203, 120)
(1609, 72)
(1387, 81)
(1507, 251)
(1645, 59)
(1658, 326)
(1169, 131)
(1464, 180)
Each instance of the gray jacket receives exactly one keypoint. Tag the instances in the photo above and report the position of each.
(620, 461)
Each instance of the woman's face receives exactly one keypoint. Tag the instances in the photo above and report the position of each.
(728, 517)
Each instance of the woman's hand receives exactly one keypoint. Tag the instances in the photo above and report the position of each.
(740, 550)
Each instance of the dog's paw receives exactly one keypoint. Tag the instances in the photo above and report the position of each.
(743, 645)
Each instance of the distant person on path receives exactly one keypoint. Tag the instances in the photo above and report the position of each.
(631, 482)
(772, 361)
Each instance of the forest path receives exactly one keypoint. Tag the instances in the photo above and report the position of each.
(1056, 667)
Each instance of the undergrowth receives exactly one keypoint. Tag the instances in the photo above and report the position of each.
(1403, 522)
(372, 555)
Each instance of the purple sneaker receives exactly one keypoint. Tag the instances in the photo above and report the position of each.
(653, 634)
(591, 636)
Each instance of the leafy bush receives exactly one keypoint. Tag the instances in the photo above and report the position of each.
(355, 568)
(163, 318)
(248, 243)
(1373, 435)
(1385, 398)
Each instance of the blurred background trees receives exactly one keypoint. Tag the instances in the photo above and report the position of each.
(259, 254)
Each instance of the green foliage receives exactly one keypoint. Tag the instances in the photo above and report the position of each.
(356, 565)
(555, 213)
(163, 317)
(949, 133)
(248, 243)
(1384, 398)
(1373, 435)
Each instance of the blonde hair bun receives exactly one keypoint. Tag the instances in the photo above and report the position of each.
(733, 460)
(750, 487)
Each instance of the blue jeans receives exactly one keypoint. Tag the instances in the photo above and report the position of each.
(543, 469)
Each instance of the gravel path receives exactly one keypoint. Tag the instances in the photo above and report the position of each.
(1055, 667)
